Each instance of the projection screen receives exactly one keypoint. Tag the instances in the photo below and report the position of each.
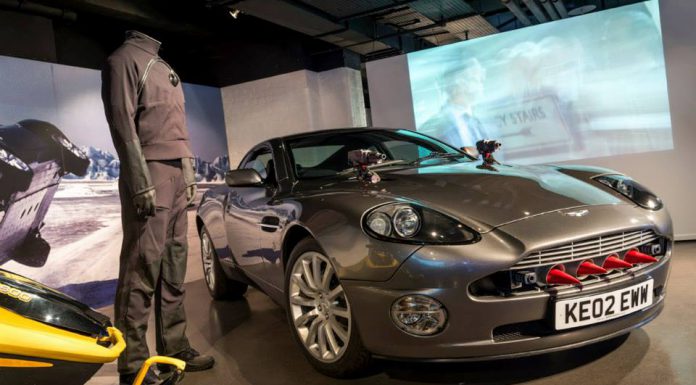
(583, 87)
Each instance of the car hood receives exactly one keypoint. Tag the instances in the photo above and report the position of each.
(485, 198)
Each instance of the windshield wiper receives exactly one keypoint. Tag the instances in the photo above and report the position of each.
(437, 155)
(375, 165)
(386, 163)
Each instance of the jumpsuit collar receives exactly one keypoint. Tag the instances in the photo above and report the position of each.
(143, 41)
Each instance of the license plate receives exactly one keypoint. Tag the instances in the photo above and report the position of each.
(589, 310)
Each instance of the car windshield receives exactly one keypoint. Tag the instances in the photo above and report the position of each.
(326, 155)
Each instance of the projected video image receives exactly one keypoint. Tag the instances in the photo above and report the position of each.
(582, 87)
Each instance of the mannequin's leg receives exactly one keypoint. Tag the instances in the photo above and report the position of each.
(143, 243)
(169, 308)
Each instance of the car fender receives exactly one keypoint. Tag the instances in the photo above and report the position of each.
(334, 221)
(211, 215)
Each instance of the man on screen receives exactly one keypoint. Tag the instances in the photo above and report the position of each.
(455, 123)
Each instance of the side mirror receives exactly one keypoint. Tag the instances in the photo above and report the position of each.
(471, 151)
(247, 177)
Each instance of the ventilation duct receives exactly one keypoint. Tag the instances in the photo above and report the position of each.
(548, 7)
(517, 11)
(560, 7)
(536, 11)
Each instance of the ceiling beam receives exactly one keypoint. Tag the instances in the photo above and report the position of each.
(312, 9)
(344, 32)
(438, 23)
(372, 11)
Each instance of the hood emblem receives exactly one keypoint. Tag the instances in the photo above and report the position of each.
(576, 213)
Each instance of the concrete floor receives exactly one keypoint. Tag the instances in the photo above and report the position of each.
(252, 344)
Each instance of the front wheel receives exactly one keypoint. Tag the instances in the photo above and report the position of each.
(319, 314)
(219, 286)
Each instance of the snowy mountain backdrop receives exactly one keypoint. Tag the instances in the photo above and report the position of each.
(104, 165)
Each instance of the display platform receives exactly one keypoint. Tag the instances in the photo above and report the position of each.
(252, 344)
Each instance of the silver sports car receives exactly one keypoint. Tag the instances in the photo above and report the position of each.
(388, 243)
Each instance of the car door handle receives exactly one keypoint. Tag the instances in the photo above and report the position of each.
(270, 224)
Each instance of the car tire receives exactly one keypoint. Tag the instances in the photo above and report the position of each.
(353, 359)
(219, 285)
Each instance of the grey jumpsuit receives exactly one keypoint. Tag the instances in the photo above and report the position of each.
(144, 105)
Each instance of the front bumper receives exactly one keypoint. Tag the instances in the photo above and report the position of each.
(488, 327)
(469, 334)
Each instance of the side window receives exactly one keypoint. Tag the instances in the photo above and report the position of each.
(262, 162)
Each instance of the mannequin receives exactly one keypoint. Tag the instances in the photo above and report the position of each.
(144, 105)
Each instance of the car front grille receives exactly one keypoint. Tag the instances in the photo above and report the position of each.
(528, 276)
(522, 331)
(601, 246)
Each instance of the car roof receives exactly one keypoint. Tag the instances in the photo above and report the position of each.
(333, 131)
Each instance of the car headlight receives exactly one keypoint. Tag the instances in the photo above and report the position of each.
(632, 190)
(408, 223)
(419, 315)
(12, 160)
(380, 223)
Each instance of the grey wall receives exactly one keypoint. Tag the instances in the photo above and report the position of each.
(668, 173)
(389, 92)
(286, 104)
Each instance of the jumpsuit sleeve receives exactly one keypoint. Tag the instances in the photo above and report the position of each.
(119, 94)
(187, 165)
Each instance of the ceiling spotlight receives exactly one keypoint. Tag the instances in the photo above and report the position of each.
(235, 13)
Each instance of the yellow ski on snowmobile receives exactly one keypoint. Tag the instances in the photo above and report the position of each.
(47, 337)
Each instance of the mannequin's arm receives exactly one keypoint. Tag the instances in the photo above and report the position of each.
(190, 178)
(119, 93)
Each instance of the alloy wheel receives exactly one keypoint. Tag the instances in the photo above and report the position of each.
(319, 307)
(207, 256)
